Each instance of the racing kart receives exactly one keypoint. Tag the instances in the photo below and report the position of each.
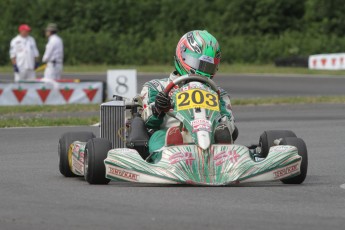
(199, 161)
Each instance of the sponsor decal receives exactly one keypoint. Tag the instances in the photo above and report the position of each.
(182, 156)
(192, 43)
(78, 166)
(207, 59)
(125, 150)
(66, 93)
(282, 148)
(173, 130)
(201, 125)
(43, 93)
(195, 85)
(90, 93)
(229, 155)
(123, 173)
(285, 171)
(19, 93)
(78, 152)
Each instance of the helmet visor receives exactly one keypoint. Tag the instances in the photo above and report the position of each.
(203, 64)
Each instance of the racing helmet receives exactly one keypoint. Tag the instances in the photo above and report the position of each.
(197, 52)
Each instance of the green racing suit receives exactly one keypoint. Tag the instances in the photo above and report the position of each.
(161, 124)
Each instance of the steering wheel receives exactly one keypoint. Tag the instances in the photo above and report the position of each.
(194, 77)
(189, 78)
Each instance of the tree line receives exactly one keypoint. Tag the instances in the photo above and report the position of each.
(147, 31)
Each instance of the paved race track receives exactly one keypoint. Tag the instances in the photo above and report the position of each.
(246, 86)
(33, 194)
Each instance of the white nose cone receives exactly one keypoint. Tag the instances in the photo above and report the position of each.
(203, 139)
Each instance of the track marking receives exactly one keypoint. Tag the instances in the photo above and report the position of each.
(342, 186)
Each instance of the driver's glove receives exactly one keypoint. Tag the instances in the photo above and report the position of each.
(162, 102)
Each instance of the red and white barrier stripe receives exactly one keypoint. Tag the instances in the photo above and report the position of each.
(50, 93)
(334, 61)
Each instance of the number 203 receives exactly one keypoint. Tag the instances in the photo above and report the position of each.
(197, 98)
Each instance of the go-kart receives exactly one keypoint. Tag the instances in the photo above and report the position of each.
(200, 161)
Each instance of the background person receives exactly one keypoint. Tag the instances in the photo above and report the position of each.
(53, 54)
(24, 54)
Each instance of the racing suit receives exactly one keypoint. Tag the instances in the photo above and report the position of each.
(161, 124)
(24, 50)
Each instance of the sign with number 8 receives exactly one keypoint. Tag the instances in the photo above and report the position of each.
(122, 83)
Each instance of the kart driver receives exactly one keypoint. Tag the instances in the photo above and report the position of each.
(197, 52)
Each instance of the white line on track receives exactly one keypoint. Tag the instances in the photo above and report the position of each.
(342, 186)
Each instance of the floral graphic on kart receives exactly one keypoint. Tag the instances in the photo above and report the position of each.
(186, 156)
(230, 155)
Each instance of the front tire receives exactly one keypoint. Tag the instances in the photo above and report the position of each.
(65, 142)
(268, 137)
(96, 151)
(303, 152)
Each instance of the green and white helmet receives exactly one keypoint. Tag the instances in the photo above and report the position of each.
(198, 52)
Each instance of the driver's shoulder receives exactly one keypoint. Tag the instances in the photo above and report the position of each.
(157, 84)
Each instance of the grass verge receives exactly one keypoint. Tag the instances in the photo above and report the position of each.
(6, 110)
(223, 68)
(36, 122)
(289, 100)
(15, 116)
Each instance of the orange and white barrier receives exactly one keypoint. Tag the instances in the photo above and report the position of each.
(334, 61)
(50, 93)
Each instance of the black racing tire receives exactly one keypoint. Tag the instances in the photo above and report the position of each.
(268, 137)
(96, 152)
(64, 143)
(303, 152)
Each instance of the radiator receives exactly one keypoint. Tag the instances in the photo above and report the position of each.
(112, 119)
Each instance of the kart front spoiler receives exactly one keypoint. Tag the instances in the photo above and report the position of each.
(188, 164)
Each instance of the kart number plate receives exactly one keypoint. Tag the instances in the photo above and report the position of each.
(196, 98)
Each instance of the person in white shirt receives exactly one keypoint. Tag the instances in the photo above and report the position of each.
(24, 55)
(53, 54)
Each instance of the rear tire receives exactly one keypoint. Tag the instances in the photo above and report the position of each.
(268, 137)
(96, 152)
(64, 143)
(303, 152)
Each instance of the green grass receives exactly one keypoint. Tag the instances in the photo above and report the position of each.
(20, 120)
(224, 68)
(5, 110)
(35, 122)
(289, 100)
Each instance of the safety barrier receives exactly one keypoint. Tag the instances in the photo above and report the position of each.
(334, 61)
(50, 93)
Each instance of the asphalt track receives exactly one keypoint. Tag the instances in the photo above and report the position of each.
(248, 85)
(33, 194)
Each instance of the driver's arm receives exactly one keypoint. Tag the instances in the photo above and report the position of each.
(148, 95)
